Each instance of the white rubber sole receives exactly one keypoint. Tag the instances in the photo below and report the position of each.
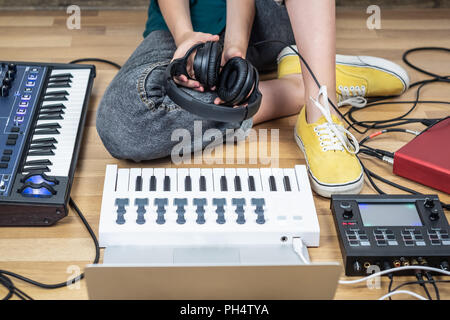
(377, 63)
(327, 190)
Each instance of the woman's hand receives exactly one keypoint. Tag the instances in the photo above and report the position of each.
(184, 43)
(240, 16)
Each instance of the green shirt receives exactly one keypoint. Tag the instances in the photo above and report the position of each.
(207, 16)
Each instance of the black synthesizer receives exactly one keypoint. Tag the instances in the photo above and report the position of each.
(42, 113)
(389, 231)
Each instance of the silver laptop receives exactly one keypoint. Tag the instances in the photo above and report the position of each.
(205, 273)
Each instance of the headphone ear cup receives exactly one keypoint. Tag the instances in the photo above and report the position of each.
(199, 57)
(215, 57)
(248, 86)
(232, 79)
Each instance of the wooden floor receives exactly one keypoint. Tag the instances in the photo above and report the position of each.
(45, 254)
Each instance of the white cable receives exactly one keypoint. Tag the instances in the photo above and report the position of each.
(390, 294)
(297, 244)
(447, 273)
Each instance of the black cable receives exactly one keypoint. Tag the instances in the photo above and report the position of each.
(6, 282)
(391, 278)
(378, 124)
(377, 153)
(371, 175)
(433, 283)
(388, 123)
(419, 276)
(118, 66)
(415, 283)
(407, 62)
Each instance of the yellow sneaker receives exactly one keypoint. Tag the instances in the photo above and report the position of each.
(356, 76)
(330, 151)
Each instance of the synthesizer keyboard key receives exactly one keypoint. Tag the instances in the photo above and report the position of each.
(195, 174)
(218, 173)
(237, 184)
(172, 174)
(289, 178)
(122, 179)
(255, 173)
(146, 174)
(134, 173)
(152, 186)
(251, 183)
(182, 173)
(265, 175)
(159, 174)
(223, 183)
(47, 153)
(230, 174)
(42, 146)
(242, 175)
(58, 74)
(208, 175)
(287, 184)
(202, 186)
(44, 140)
(278, 176)
(38, 169)
(188, 183)
(272, 183)
(166, 186)
(138, 184)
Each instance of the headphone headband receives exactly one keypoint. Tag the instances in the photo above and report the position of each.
(179, 65)
(210, 111)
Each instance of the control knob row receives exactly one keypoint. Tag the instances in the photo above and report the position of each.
(8, 79)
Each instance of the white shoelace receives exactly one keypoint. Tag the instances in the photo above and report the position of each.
(353, 96)
(332, 136)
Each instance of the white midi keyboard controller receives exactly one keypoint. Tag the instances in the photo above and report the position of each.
(207, 207)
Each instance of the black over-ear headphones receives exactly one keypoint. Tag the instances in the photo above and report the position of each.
(233, 83)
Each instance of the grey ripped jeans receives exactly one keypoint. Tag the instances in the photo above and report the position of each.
(136, 118)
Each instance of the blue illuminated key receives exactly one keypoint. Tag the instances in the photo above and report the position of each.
(36, 192)
(38, 179)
